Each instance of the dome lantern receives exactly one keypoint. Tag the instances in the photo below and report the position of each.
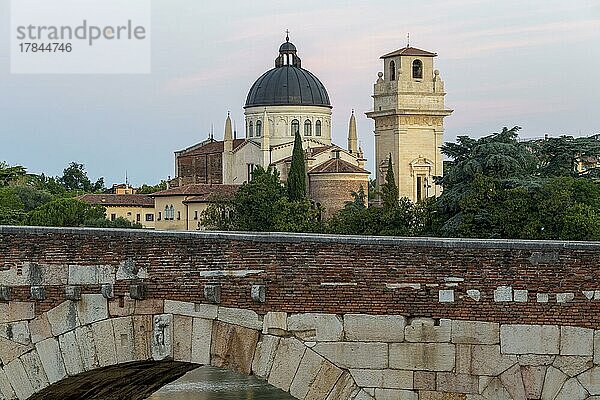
(287, 55)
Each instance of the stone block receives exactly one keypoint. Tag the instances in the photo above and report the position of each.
(473, 332)
(529, 339)
(201, 340)
(520, 295)
(212, 293)
(474, 294)
(138, 291)
(37, 293)
(564, 297)
(124, 339)
(487, 360)
(533, 380)
(83, 275)
(576, 341)
(104, 340)
(285, 364)
(446, 296)
(394, 394)
(10, 350)
(362, 395)
(422, 356)
(597, 347)
(106, 289)
(92, 308)
(424, 330)
(513, 382)
(463, 359)
(182, 338)
(553, 382)
(6, 389)
(424, 380)
(307, 372)
(573, 365)
(122, 307)
(456, 383)
(572, 390)
(15, 372)
(357, 355)
(35, 371)
(264, 356)
(535, 359)
(70, 353)
(495, 390)
(325, 381)
(233, 347)
(73, 293)
(162, 337)
(239, 316)
(142, 337)
(374, 328)
(52, 360)
(591, 381)
(63, 318)
(503, 294)
(383, 378)
(149, 307)
(316, 327)
(258, 293)
(196, 310)
(16, 331)
(344, 388)
(18, 311)
(542, 297)
(87, 348)
(275, 323)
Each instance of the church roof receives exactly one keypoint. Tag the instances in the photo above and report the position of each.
(209, 147)
(198, 190)
(118, 200)
(337, 166)
(409, 51)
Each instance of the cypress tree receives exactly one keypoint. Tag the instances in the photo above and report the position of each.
(389, 190)
(296, 182)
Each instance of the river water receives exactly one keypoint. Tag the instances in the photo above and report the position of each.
(208, 383)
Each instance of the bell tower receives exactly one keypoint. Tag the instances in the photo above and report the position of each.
(409, 111)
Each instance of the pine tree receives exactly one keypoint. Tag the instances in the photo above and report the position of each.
(389, 190)
(296, 182)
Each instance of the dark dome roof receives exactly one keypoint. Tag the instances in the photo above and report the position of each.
(287, 46)
(288, 85)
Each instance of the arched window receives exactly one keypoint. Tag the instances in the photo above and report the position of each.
(417, 69)
(172, 212)
(295, 127)
(318, 128)
(307, 128)
(258, 128)
(392, 71)
(166, 212)
(250, 129)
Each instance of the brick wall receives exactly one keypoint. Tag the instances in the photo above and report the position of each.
(333, 274)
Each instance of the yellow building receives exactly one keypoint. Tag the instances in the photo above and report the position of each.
(180, 208)
(409, 111)
(136, 208)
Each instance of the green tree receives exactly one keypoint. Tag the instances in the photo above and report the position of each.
(389, 190)
(75, 178)
(65, 212)
(148, 189)
(297, 216)
(10, 174)
(117, 223)
(296, 182)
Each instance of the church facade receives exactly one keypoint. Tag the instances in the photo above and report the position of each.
(285, 100)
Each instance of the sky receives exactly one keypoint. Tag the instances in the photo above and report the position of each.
(534, 63)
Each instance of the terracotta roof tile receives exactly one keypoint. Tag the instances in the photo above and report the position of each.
(213, 147)
(198, 189)
(337, 165)
(123, 200)
(409, 51)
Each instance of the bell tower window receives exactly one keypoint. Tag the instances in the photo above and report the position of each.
(258, 128)
(392, 71)
(307, 128)
(417, 69)
(250, 129)
(295, 127)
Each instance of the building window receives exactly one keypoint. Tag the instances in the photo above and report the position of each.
(171, 212)
(166, 213)
(417, 69)
(138, 217)
(392, 71)
(113, 217)
(150, 217)
(250, 129)
(196, 214)
(318, 128)
(250, 169)
(178, 215)
(159, 216)
(307, 128)
(258, 128)
(295, 127)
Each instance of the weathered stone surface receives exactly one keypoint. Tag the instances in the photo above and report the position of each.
(355, 354)
(87, 348)
(73, 293)
(233, 347)
(472, 332)
(496, 391)
(287, 358)
(553, 382)
(424, 380)
(182, 338)
(15, 372)
(122, 307)
(17, 311)
(457, 383)
(10, 350)
(513, 382)
(316, 327)
(35, 370)
(362, 395)
(142, 337)
(63, 318)
(529, 339)
(572, 390)
(463, 359)
(344, 388)
(573, 365)
(591, 380)
(275, 323)
(124, 339)
(383, 378)
(162, 337)
(597, 347)
(394, 394)
(264, 356)
(70, 353)
(428, 395)
(196, 310)
(487, 360)
(324, 382)
(104, 340)
(309, 367)
(374, 328)
(201, 340)
(16, 331)
(6, 389)
(51, 357)
(422, 356)
(520, 295)
(535, 359)
(149, 306)
(533, 380)
(424, 330)
(503, 293)
(40, 328)
(576, 341)
(238, 316)
(90, 274)
(92, 308)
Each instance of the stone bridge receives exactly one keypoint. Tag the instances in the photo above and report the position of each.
(98, 314)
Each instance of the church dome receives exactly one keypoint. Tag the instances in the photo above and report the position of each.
(288, 83)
